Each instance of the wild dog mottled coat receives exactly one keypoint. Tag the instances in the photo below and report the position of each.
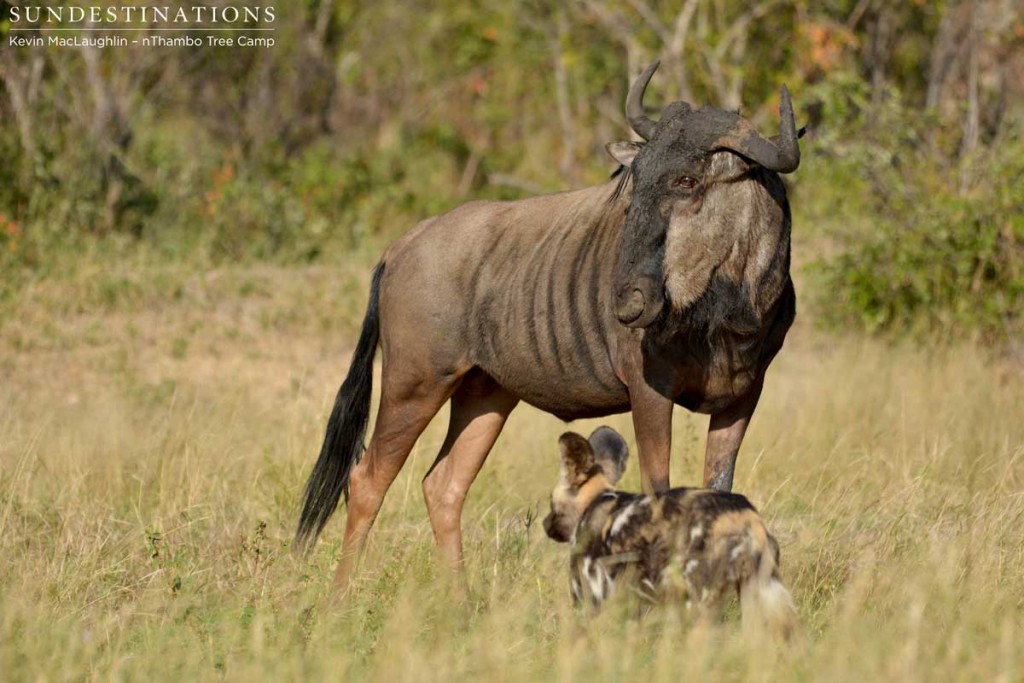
(696, 544)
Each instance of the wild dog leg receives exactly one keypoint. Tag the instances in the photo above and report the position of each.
(476, 421)
(652, 423)
(725, 434)
(404, 413)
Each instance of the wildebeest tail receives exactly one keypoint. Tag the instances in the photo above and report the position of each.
(346, 429)
(764, 600)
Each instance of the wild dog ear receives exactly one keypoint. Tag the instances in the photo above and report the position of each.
(577, 458)
(624, 152)
(610, 452)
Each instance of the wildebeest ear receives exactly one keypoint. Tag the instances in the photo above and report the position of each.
(624, 152)
(610, 451)
(577, 458)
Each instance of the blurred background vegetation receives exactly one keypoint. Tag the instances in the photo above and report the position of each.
(367, 116)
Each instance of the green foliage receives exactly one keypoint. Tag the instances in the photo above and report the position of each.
(948, 265)
(926, 243)
(344, 136)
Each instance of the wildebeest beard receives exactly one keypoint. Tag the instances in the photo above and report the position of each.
(724, 308)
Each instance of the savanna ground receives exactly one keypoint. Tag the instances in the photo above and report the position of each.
(157, 424)
(186, 238)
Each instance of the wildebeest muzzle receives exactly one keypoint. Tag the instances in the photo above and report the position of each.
(639, 301)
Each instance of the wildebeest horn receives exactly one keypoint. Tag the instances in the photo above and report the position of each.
(641, 125)
(780, 154)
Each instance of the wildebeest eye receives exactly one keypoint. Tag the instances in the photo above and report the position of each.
(685, 182)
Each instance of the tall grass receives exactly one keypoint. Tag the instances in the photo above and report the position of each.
(154, 441)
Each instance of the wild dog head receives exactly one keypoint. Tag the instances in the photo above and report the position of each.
(589, 468)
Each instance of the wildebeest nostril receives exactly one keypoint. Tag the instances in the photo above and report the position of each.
(632, 307)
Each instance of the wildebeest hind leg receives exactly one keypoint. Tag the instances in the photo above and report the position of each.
(479, 411)
(405, 410)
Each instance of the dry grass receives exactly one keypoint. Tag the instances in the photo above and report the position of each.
(155, 435)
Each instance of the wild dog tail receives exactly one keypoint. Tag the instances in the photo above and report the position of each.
(764, 599)
(346, 429)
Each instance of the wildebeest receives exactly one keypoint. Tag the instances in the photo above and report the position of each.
(667, 285)
(697, 545)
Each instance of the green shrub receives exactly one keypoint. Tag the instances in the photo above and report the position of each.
(935, 260)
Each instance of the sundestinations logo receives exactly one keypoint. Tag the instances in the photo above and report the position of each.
(149, 25)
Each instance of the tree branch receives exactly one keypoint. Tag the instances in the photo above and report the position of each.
(652, 20)
(676, 48)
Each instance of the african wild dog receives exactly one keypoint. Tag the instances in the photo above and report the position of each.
(698, 544)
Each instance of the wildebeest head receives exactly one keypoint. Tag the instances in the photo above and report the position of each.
(589, 468)
(681, 175)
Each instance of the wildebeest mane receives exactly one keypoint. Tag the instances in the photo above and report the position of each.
(623, 173)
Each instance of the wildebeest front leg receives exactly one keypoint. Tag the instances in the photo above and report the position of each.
(652, 423)
(725, 434)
